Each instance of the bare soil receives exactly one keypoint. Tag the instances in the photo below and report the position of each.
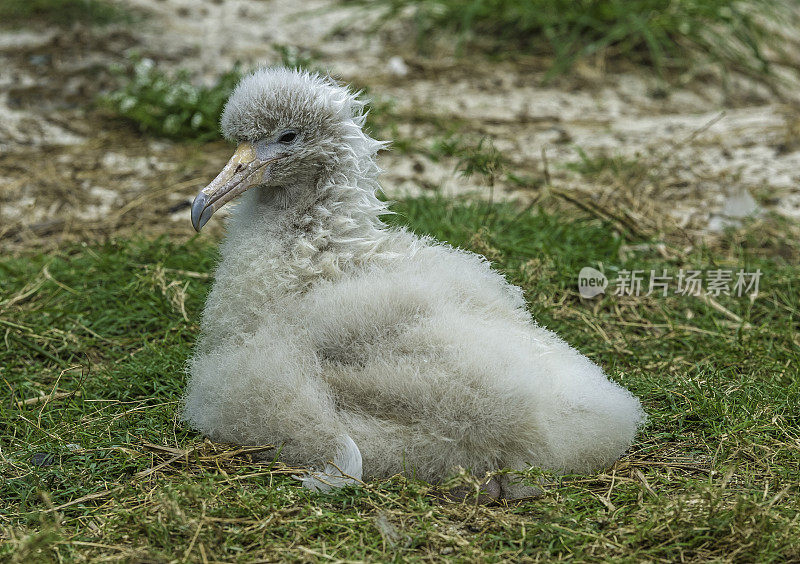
(702, 156)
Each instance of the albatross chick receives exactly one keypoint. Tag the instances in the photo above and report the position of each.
(368, 351)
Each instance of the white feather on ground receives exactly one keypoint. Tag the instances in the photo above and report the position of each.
(372, 348)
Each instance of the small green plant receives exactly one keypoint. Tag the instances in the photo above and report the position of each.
(173, 105)
(295, 58)
(481, 158)
(449, 146)
(595, 165)
(17, 13)
(660, 33)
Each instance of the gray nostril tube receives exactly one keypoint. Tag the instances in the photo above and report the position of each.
(200, 213)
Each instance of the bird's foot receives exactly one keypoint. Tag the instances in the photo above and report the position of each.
(482, 492)
(326, 481)
(344, 470)
(512, 487)
(492, 488)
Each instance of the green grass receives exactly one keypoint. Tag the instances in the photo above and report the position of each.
(171, 105)
(713, 476)
(596, 165)
(63, 13)
(659, 33)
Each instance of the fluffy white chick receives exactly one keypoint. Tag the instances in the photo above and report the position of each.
(367, 351)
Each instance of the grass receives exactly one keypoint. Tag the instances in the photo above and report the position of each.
(478, 159)
(94, 338)
(171, 105)
(596, 165)
(63, 13)
(659, 33)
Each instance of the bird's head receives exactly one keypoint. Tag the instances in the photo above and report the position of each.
(293, 129)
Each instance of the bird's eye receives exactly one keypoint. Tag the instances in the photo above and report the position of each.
(287, 137)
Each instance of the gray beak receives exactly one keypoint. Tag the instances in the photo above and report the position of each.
(243, 171)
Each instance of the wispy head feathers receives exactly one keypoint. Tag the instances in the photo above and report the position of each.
(273, 98)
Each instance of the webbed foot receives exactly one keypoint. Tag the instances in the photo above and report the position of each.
(344, 470)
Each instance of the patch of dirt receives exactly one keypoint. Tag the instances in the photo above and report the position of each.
(721, 146)
(115, 183)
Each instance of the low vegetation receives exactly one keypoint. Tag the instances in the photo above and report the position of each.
(664, 34)
(64, 13)
(97, 465)
(171, 105)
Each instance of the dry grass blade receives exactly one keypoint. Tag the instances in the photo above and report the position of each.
(627, 224)
(184, 454)
(88, 497)
(214, 457)
(48, 398)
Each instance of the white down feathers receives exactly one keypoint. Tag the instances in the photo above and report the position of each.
(368, 351)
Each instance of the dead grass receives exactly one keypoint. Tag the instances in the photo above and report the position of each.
(97, 466)
(116, 184)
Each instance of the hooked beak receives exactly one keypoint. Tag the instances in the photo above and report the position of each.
(242, 172)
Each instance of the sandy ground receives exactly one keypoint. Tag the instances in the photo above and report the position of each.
(718, 148)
